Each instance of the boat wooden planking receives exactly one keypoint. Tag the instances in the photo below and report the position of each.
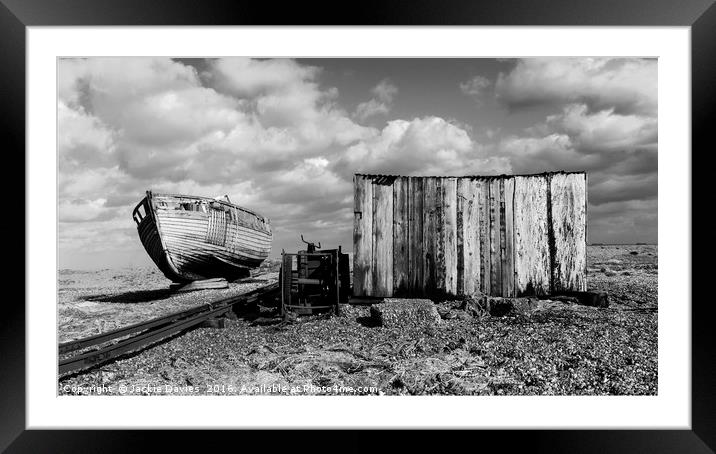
(191, 238)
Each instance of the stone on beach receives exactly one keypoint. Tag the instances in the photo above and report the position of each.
(405, 313)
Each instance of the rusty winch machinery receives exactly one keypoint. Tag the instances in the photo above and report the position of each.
(314, 280)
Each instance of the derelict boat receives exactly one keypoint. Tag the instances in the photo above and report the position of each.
(191, 238)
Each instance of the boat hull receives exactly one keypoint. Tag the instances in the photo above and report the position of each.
(191, 238)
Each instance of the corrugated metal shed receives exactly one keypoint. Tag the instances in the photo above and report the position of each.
(506, 235)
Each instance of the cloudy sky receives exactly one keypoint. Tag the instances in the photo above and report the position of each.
(283, 137)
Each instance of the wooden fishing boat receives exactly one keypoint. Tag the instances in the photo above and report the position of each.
(191, 238)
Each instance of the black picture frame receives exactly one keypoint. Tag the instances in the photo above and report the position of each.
(16, 15)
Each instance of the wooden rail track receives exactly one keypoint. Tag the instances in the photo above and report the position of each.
(140, 335)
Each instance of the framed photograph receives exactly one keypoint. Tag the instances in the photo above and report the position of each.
(411, 217)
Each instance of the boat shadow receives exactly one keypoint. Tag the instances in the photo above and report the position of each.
(257, 316)
(132, 297)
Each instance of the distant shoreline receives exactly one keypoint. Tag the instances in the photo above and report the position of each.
(149, 267)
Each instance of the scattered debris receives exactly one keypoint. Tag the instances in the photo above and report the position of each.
(594, 299)
(475, 306)
(499, 307)
(405, 313)
(354, 310)
(565, 299)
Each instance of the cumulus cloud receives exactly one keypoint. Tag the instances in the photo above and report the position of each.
(371, 108)
(274, 137)
(626, 85)
(578, 140)
(619, 152)
(606, 124)
(266, 132)
(428, 145)
(380, 104)
(385, 91)
(81, 210)
(475, 87)
(246, 78)
(84, 140)
(606, 130)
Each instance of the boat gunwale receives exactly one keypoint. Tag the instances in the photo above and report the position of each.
(210, 199)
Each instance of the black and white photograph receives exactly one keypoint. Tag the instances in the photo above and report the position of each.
(357, 226)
